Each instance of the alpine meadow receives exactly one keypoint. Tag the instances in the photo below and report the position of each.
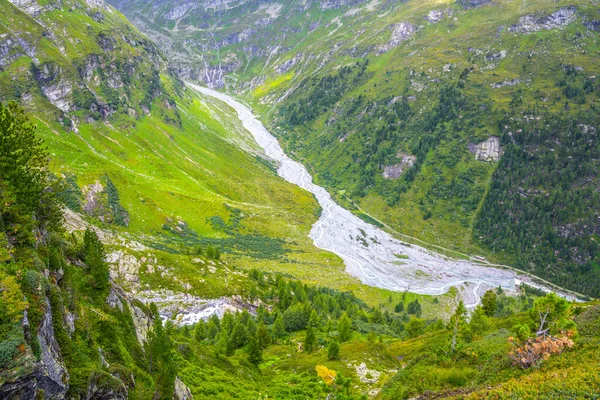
(299, 199)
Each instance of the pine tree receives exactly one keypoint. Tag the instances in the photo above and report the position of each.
(239, 335)
(489, 303)
(314, 321)
(310, 340)
(456, 322)
(94, 255)
(333, 350)
(264, 338)
(345, 327)
(200, 331)
(279, 327)
(254, 351)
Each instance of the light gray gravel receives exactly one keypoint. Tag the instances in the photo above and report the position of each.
(369, 253)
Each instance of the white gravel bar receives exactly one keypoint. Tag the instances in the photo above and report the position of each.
(369, 253)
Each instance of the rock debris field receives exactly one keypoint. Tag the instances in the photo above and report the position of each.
(369, 253)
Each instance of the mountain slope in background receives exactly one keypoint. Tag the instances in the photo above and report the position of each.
(468, 124)
(182, 266)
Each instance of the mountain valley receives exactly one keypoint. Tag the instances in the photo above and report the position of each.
(417, 217)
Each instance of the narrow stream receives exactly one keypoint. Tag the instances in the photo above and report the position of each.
(369, 253)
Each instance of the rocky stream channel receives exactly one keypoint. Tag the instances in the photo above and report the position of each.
(369, 253)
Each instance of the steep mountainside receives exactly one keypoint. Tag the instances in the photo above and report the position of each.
(469, 124)
(148, 250)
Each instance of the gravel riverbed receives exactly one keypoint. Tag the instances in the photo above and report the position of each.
(369, 253)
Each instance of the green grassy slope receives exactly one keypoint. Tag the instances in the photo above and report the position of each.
(441, 78)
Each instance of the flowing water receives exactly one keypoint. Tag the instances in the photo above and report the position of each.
(369, 253)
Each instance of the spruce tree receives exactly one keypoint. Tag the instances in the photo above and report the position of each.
(333, 350)
(254, 351)
(264, 337)
(310, 340)
(345, 327)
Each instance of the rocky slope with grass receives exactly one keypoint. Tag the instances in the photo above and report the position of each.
(148, 248)
(467, 124)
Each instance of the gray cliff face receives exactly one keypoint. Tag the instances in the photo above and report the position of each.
(488, 151)
(44, 379)
(182, 392)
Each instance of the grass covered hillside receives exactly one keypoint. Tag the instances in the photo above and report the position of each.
(145, 159)
(470, 125)
(67, 330)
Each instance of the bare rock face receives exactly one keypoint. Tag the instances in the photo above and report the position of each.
(512, 82)
(396, 170)
(434, 16)
(556, 20)
(48, 376)
(182, 392)
(488, 151)
(287, 65)
(400, 33)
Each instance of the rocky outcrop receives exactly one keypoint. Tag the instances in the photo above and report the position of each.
(593, 25)
(558, 19)
(182, 392)
(332, 4)
(287, 65)
(104, 386)
(434, 16)
(400, 33)
(186, 309)
(512, 82)
(396, 170)
(141, 320)
(489, 150)
(47, 378)
(491, 57)
(473, 3)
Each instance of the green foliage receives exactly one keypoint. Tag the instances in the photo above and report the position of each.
(536, 231)
(551, 314)
(344, 327)
(310, 340)
(414, 327)
(295, 318)
(254, 350)
(488, 303)
(94, 256)
(333, 350)
(120, 216)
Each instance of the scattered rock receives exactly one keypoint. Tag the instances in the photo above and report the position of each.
(400, 33)
(186, 309)
(491, 57)
(396, 170)
(366, 375)
(489, 150)
(434, 16)
(512, 82)
(593, 25)
(558, 19)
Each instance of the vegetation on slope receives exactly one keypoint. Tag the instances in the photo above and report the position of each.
(398, 106)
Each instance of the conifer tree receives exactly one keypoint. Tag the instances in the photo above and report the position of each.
(264, 338)
(333, 350)
(345, 327)
(310, 340)
(254, 351)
